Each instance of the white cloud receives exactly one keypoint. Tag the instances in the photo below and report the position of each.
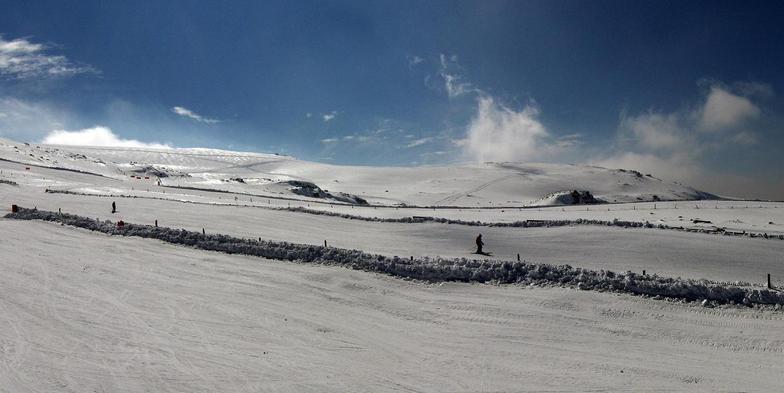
(654, 130)
(413, 60)
(420, 141)
(498, 133)
(185, 112)
(724, 110)
(330, 140)
(454, 83)
(327, 117)
(96, 136)
(569, 141)
(22, 59)
(746, 138)
(674, 145)
(25, 120)
(678, 166)
(753, 89)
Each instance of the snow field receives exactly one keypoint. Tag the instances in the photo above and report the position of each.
(84, 311)
(667, 253)
(423, 219)
(97, 311)
(433, 270)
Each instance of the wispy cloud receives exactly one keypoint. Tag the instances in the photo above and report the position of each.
(420, 141)
(413, 60)
(498, 133)
(454, 83)
(327, 117)
(22, 59)
(673, 144)
(724, 109)
(29, 119)
(96, 136)
(747, 138)
(185, 112)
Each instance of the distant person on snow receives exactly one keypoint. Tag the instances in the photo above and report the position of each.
(479, 244)
(114, 208)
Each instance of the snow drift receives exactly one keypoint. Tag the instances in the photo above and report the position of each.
(432, 269)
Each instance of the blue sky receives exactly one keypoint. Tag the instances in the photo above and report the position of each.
(689, 91)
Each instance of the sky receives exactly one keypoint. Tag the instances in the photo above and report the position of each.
(687, 91)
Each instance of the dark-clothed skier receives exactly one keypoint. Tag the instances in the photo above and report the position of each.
(114, 208)
(479, 244)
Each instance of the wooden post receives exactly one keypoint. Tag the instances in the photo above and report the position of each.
(518, 257)
(156, 223)
(769, 286)
(202, 232)
(643, 272)
(325, 243)
(412, 258)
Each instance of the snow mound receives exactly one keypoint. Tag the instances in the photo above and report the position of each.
(433, 269)
(155, 171)
(311, 190)
(574, 197)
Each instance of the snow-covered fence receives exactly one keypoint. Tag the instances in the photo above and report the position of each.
(433, 269)
(9, 182)
(440, 220)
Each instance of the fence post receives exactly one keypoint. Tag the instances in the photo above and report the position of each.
(769, 286)
(156, 223)
(325, 243)
(518, 257)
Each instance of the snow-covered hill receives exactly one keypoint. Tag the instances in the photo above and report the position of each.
(488, 184)
(86, 311)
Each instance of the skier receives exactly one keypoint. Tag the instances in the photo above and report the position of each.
(479, 244)
(114, 208)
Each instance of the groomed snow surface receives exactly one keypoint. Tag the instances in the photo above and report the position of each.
(88, 311)
(92, 312)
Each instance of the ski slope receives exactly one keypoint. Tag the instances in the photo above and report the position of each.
(87, 312)
(96, 313)
(669, 253)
